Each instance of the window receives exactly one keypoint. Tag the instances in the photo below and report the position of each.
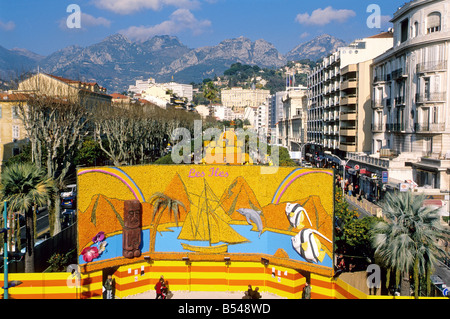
(404, 30)
(15, 114)
(15, 131)
(433, 22)
(416, 29)
(426, 88)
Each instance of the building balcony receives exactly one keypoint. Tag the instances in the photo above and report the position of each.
(377, 127)
(431, 97)
(347, 100)
(399, 100)
(397, 74)
(376, 104)
(348, 84)
(349, 68)
(348, 131)
(369, 159)
(347, 116)
(336, 115)
(377, 79)
(347, 147)
(429, 127)
(431, 66)
(395, 127)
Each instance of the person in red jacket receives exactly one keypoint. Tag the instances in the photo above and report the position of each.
(158, 288)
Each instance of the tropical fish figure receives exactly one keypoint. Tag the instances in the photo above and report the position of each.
(252, 215)
(296, 215)
(308, 245)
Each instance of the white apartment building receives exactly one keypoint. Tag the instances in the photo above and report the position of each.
(238, 98)
(257, 116)
(339, 113)
(291, 127)
(181, 90)
(223, 113)
(410, 93)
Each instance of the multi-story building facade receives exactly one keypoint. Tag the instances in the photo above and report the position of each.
(223, 113)
(12, 132)
(238, 98)
(410, 94)
(339, 97)
(274, 114)
(149, 87)
(291, 127)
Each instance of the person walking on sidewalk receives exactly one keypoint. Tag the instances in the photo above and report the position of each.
(109, 287)
(306, 291)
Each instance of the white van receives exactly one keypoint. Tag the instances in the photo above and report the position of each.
(69, 191)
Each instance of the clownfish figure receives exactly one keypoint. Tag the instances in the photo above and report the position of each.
(296, 215)
(308, 245)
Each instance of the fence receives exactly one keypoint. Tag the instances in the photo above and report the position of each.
(61, 243)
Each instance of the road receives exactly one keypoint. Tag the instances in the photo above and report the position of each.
(42, 224)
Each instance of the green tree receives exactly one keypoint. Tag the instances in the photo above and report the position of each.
(26, 187)
(407, 242)
(210, 91)
(352, 235)
(90, 154)
(160, 202)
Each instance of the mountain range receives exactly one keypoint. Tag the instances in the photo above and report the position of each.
(116, 62)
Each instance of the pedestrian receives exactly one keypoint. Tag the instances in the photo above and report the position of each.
(256, 294)
(306, 291)
(350, 189)
(165, 290)
(356, 190)
(109, 287)
(248, 294)
(158, 287)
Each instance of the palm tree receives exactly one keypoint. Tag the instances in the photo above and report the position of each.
(407, 241)
(160, 202)
(25, 186)
(210, 92)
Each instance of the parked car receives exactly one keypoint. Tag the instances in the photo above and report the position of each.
(69, 202)
(68, 217)
(69, 191)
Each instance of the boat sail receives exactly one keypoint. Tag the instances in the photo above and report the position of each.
(207, 221)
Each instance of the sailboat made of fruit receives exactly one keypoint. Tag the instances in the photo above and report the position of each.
(207, 221)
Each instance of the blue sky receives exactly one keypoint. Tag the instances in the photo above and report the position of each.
(41, 26)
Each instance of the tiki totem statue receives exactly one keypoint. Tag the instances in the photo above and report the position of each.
(132, 229)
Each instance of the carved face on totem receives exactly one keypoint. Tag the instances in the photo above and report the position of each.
(132, 214)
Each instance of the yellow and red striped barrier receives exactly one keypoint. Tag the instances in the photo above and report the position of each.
(197, 276)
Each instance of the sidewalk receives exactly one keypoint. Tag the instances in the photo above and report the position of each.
(365, 206)
(203, 295)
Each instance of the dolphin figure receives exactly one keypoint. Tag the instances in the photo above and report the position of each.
(252, 216)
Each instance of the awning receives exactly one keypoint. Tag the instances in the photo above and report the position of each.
(364, 171)
(433, 202)
(425, 167)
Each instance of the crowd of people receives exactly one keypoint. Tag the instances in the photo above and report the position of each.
(252, 294)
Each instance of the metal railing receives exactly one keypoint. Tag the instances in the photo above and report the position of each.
(430, 66)
(429, 127)
(430, 97)
(377, 127)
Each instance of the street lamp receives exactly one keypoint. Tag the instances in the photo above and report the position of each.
(343, 163)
